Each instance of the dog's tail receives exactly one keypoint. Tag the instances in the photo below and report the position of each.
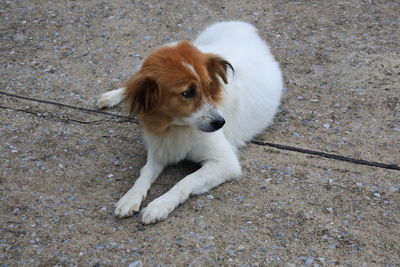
(111, 98)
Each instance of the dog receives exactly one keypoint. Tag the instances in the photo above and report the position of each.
(200, 101)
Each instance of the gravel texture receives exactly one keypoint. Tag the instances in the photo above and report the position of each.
(62, 169)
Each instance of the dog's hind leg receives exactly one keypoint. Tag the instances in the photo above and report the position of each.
(111, 98)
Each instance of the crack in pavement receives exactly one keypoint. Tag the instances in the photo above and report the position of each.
(256, 142)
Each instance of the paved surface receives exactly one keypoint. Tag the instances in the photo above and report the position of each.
(62, 168)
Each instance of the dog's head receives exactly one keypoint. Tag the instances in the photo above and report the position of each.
(178, 85)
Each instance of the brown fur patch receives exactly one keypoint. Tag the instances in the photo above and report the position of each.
(154, 93)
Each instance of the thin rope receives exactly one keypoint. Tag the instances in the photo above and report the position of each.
(256, 142)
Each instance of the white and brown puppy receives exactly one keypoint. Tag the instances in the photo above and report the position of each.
(199, 101)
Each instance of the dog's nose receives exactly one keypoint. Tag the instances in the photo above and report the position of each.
(218, 123)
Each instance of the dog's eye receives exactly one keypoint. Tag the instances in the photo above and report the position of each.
(190, 92)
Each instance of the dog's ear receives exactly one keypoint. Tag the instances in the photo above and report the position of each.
(218, 66)
(141, 94)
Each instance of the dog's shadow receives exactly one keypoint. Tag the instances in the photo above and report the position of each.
(174, 173)
(169, 177)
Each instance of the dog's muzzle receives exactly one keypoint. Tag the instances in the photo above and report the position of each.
(206, 119)
(211, 122)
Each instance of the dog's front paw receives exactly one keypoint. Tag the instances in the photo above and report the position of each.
(158, 209)
(128, 204)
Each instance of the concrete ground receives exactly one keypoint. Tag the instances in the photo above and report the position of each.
(63, 168)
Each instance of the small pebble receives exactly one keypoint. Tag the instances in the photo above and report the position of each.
(239, 198)
(373, 188)
(267, 181)
(297, 135)
(278, 236)
(136, 264)
(50, 69)
(230, 252)
(263, 167)
(117, 163)
(394, 189)
(241, 248)
(19, 37)
(309, 260)
(308, 215)
(71, 198)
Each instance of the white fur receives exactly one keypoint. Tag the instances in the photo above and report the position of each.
(250, 100)
(111, 98)
(201, 119)
(190, 67)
